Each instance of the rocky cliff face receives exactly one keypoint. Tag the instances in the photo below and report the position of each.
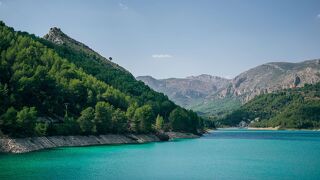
(56, 36)
(271, 77)
(210, 94)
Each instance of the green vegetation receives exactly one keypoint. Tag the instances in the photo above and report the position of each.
(159, 123)
(217, 107)
(86, 121)
(48, 89)
(291, 108)
(181, 120)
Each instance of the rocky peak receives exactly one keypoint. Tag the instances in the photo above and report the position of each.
(55, 35)
(55, 30)
(58, 37)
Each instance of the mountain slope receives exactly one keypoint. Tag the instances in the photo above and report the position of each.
(56, 36)
(274, 76)
(93, 63)
(107, 71)
(262, 79)
(290, 108)
(67, 88)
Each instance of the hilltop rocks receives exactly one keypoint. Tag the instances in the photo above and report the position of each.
(55, 35)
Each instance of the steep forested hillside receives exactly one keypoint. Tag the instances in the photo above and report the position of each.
(290, 108)
(61, 89)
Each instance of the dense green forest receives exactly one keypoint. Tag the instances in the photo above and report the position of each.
(291, 108)
(49, 89)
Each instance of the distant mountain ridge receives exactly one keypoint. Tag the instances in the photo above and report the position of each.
(215, 95)
(187, 91)
(273, 76)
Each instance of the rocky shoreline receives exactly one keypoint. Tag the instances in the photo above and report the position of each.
(264, 128)
(23, 145)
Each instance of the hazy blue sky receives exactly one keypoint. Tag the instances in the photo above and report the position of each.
(178, 38)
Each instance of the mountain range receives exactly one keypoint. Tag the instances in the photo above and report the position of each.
(187, 91)
(212, 95)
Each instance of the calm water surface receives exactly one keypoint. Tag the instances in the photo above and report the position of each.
(223, 154)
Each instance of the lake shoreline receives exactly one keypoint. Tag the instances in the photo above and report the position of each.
(270, 128)
(217, 155)
(263, 128)
(29, 144)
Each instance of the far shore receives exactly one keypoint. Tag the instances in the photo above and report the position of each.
(270, 128)
(264, 128)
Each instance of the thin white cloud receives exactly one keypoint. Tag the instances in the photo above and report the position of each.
(161, 56)
(0, 3)
(123, 6)
(318, 16)
(228, 76)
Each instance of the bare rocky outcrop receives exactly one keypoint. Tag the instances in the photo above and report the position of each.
(55, 35)
(23, 145)
(179, 135)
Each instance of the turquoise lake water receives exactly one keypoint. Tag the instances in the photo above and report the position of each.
(223, 154)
